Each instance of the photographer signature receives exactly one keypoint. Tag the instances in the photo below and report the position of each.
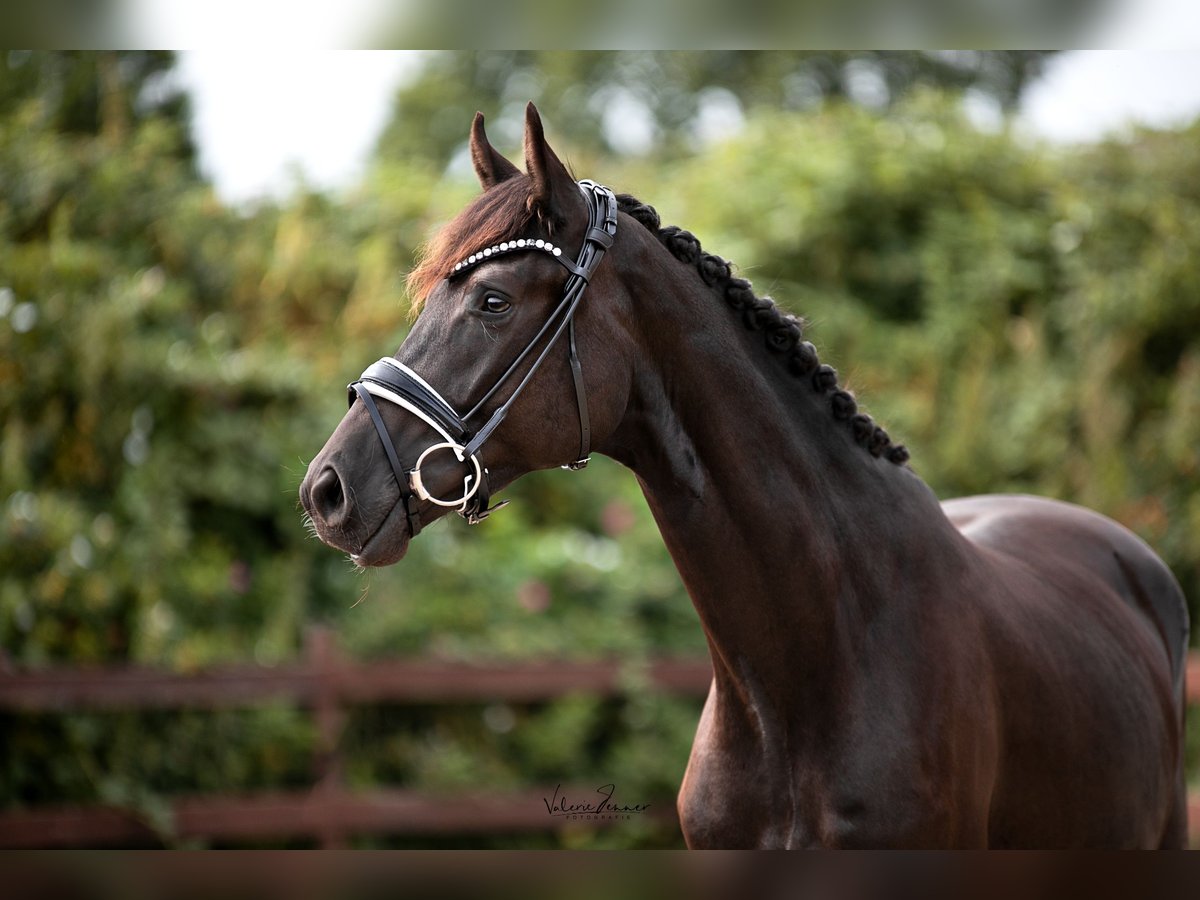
(603, 807)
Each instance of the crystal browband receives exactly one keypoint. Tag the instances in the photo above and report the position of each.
(507, 247)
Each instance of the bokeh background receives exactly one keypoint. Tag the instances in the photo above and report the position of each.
(1024, 316)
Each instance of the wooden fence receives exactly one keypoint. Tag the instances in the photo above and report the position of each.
(326, 683)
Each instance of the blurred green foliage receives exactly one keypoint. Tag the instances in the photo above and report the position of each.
(669, 104)
(1025, 319)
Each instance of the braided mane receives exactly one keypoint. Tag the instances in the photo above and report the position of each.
(784, 333)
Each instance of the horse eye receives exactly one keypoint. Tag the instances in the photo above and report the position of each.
(494, 304)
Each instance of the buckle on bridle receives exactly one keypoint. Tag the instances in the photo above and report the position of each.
(474, 518)
(577, 465)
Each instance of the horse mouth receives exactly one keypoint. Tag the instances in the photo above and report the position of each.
(388, 544)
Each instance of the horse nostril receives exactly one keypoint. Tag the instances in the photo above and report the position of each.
(328, 497)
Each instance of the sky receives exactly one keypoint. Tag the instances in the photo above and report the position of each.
(1086, 94)
(261, 117)
(264, 118)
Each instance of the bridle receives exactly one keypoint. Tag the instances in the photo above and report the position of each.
(391, 380)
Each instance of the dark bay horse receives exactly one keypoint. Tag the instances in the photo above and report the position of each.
(1000, 671)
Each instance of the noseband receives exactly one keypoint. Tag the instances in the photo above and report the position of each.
(391, 380)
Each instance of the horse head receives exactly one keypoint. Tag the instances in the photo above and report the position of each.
(506, 370)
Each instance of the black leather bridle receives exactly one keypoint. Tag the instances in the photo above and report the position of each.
(391, 380)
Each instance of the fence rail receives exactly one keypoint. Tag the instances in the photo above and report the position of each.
(408, 681)
(326, 683)
(321, 815)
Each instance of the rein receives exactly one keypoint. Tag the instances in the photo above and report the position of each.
(391, 380)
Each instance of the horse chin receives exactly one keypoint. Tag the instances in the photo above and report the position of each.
(388, 544)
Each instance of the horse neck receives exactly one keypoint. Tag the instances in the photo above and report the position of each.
(792, 540)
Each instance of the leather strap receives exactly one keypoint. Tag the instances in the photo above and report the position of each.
(407, 497)
(585, 424)
(401, 380)
(576, 270)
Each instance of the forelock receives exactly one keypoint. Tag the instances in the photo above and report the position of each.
(497, 215)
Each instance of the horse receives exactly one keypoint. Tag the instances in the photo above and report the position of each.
(888, 671)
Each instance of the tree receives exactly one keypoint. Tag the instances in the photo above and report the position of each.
(96, 92)
(671, 98)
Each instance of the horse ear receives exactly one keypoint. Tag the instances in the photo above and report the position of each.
(553, 187)
(490, 167)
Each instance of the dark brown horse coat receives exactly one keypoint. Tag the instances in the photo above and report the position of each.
(998, 671)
